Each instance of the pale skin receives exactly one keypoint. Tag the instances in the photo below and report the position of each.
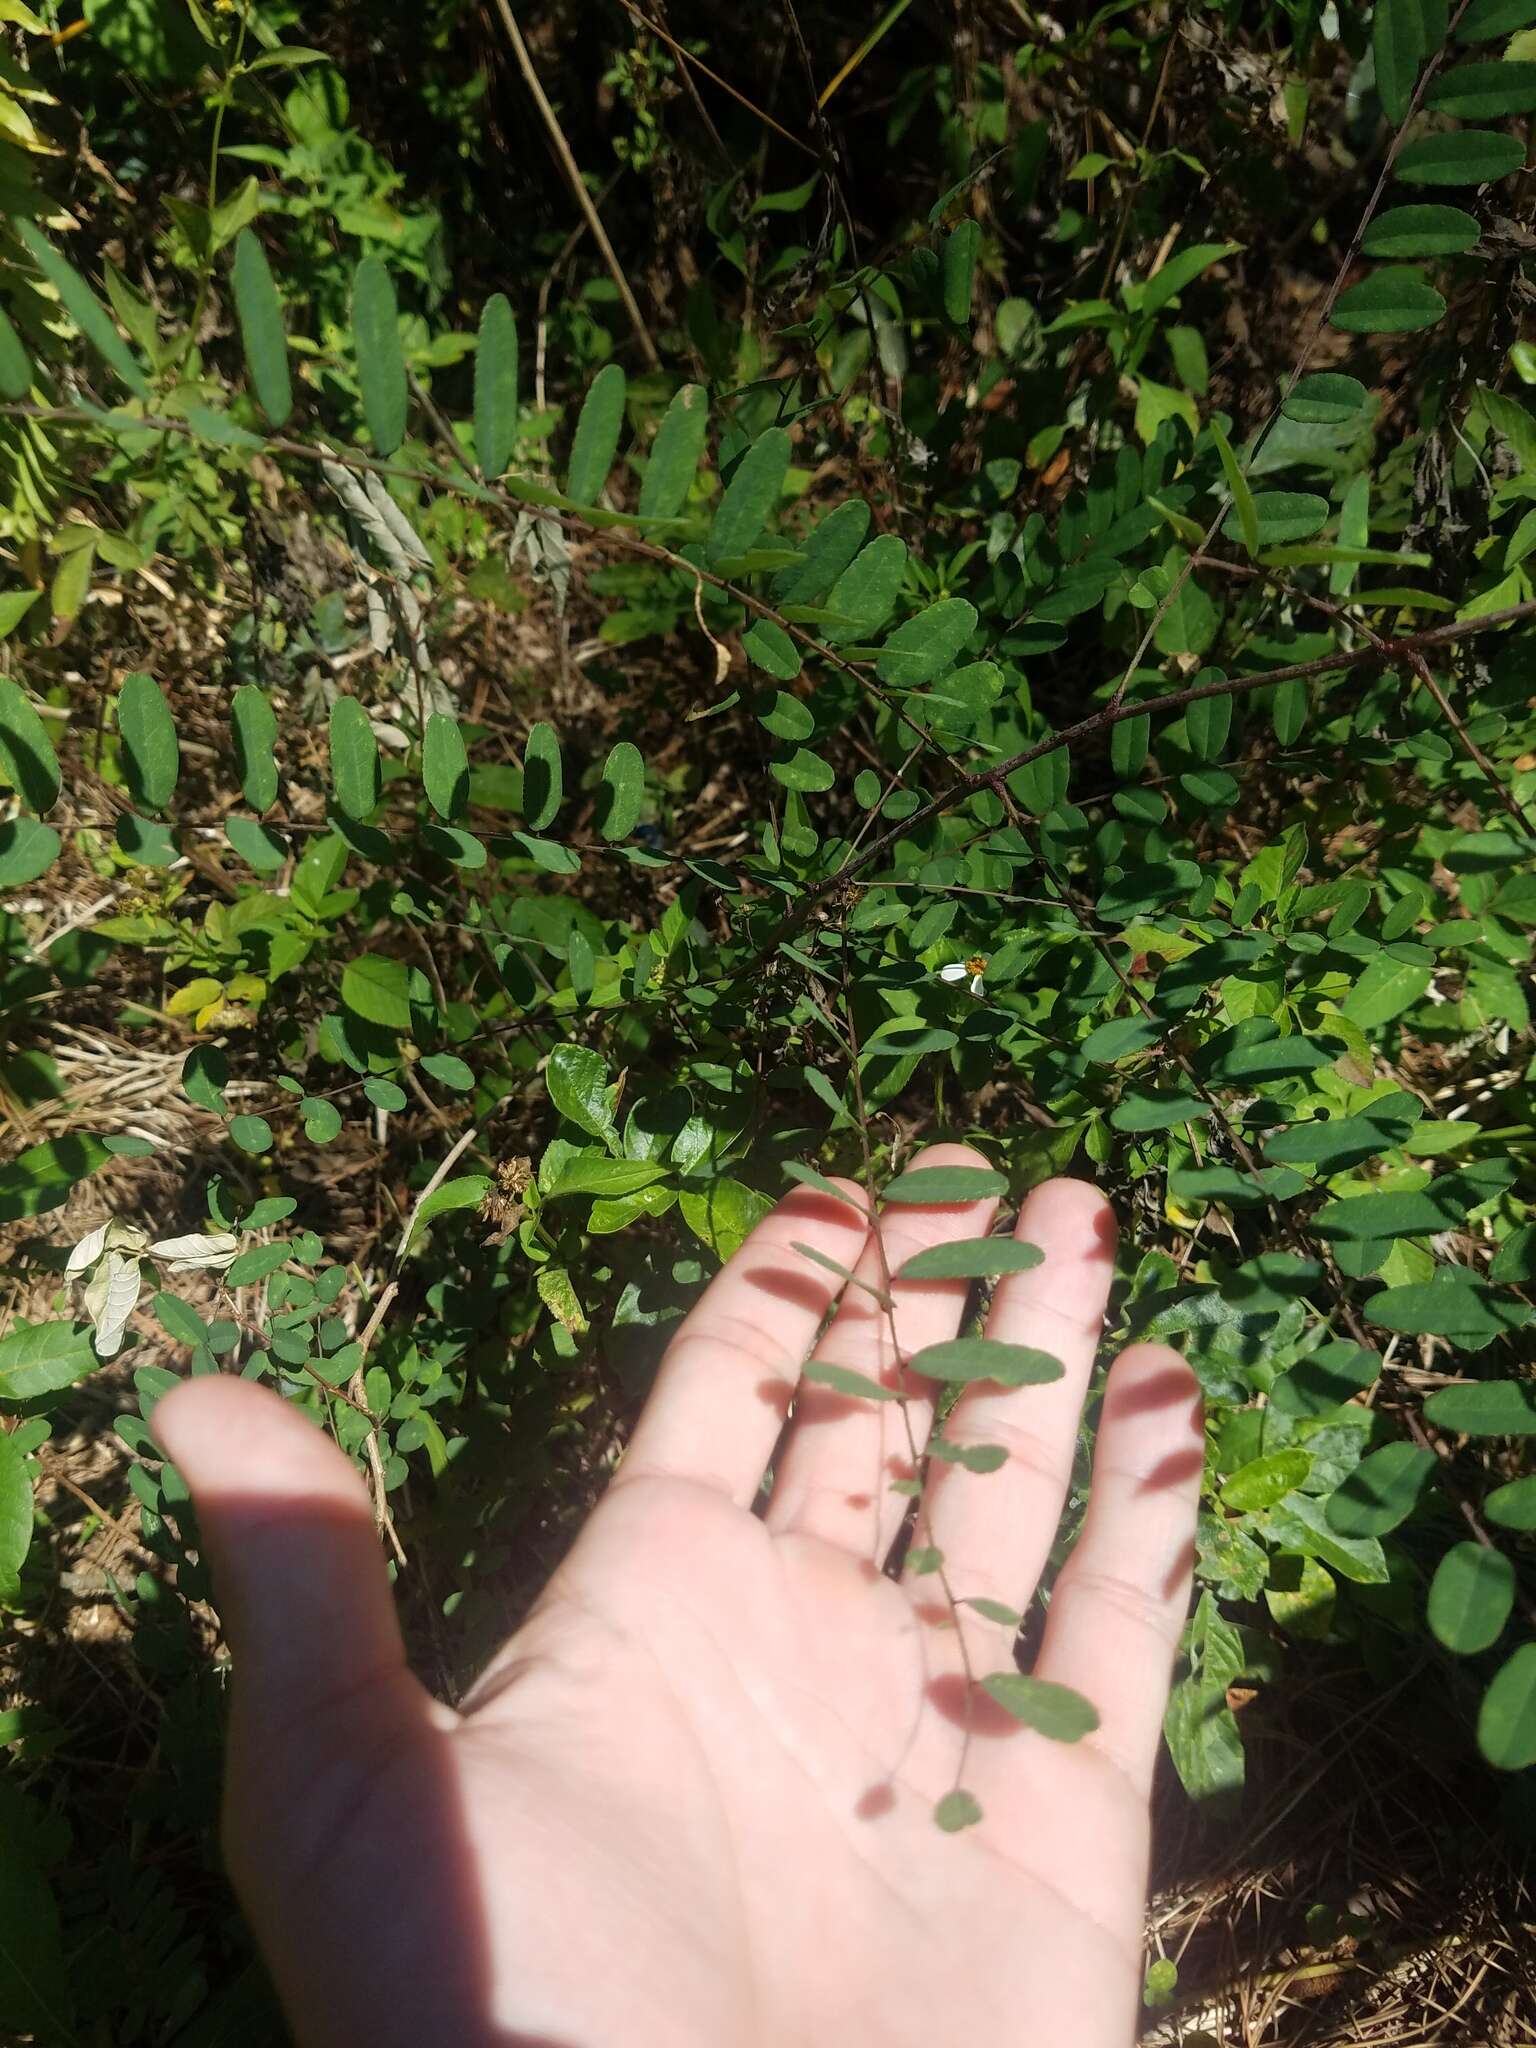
(690, 1804)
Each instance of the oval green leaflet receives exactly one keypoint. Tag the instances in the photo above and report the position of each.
(355, 776)
(972, 1258)
(260, 313)
(1393, 300)
(1421, 231)
(15, 369)
(750, 497)
(1400, 43)
(378, 990)
(15, 1513)
(984, 1358)
(1381, 1492)
(1281, 516)
(151, 756)
(1484, 92)
(26, 752)
(958, 271)
(255, 724)
(1208, 721)
(40, 1358)
(1513, 1505)
(543, 777)
(84, 308)
(864, 596)
(1052, 1710)
(925, 646)
(376, 345)
(1327, 398)
(825, 554)
(621, 793)
(675, 452)
(495, 386)
(1472, 156)
(596, 439)
(1485, 1408)
(1486, 19)
(445, 766)
(258, 846)
(1506, 1722)
(1470, 1598)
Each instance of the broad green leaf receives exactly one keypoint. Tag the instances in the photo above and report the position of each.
(27, 757)
(1281, 516)
(925, 1184)
(376, 345)
(768, 647)
(1263, 1481)
(445, 766)
(1388, 986)
(1471, 156)
(257, 845)
(674, 457)
(1053, 1710)
(596, 439)
(1513, 1506)
(984, 1358)
(1484, 92)
(15, 368)
(804, 771)
(1299, 1525)
(1400, 42)
(956, 1810)
(467, 1191)
(151, 757)
(957, 266)
(1208, 721)
(84, 308)
(1328, 399)
(1486, 19)
(378, 990)
(40, 1178)
(723, 1214)
(1420, 231)
(260, 313)
(1150, 1110)
(255, 727)
(15, 1516)
(1393, 300)
(841, 1379)
(1235, 1061)
(1470, 1598)
(824, 555)
(864, 595)
(925, 646)
(1506, 1722)
(1382, 1491)
(1364, 1218)
(1121, 1037)
(42, 1358)
(1484, 1407)
(593, 1173)
(383, 1094)
(1181, 270)
(15, 604)
(750, 497)
(543, 777)
(621, 791)
(322, 1119)
(355, 776)
(495, 386)
(1332, 1143)
(449, 1070)
(578, 1083)
(1454, 1304)
(259, 1263)
(972, 1258)
(252, 1134)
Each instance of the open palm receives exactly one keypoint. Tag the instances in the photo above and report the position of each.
(692, 1801)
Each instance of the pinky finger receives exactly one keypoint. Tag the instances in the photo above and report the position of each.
(1119, 1605)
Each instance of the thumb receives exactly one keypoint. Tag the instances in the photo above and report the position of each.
(288, 1532)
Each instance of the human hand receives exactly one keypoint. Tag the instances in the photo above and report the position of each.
(690, 1804)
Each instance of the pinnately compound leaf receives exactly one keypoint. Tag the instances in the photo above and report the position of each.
(621, 792)
(380, 364)
(355, 779)
(675, 452)
(151, 757)
(260, 313)
(596, 440)
(255, 725)
(495, 386)
(26, 752)
(445, 766)
(750, 496)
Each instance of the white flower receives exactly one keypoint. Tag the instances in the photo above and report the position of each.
(972, 971)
